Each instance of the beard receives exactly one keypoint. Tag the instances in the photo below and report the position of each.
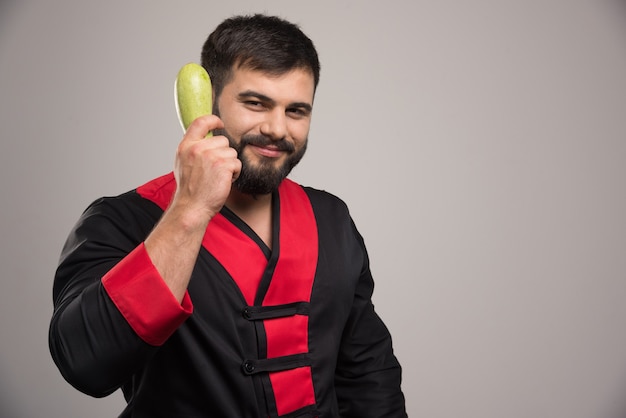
(265, 176)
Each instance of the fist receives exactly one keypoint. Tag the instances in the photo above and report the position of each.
(205, 167)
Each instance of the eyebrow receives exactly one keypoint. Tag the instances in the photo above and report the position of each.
(264, 98)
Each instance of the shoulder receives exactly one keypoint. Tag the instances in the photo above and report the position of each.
(147, 197)
(128, 211)
(320, 200)
(123, 207)
(330, 210)
(324, 200)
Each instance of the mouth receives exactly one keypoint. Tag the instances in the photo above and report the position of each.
(268, 151)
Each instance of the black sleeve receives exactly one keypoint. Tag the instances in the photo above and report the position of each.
(368, 376)
(90, 341)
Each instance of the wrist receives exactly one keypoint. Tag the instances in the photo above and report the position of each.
(188, 217)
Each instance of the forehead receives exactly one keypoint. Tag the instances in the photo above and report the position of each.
(296, 85)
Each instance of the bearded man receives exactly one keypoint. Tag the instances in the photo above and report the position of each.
(224, 288)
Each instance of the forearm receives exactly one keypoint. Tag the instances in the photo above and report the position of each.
(174, 244)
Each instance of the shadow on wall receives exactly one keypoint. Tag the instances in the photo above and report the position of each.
(7, 404)
(6, 410)
(5, 7)
(620, 406)
(621, 4)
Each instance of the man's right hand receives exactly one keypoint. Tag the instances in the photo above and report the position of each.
(205, 168)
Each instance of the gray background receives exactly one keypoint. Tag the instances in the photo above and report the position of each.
(479, 144)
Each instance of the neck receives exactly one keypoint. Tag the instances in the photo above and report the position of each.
(255, 211)
(246, 203)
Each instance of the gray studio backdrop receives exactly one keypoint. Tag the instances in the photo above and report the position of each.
(481, 146)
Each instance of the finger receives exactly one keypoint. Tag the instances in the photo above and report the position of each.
(201, 126)
(225, 158)
(237, 169)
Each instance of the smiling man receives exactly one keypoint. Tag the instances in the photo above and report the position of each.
(223, 288)
(271, 115)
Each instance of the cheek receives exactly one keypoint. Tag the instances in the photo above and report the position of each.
(238, 125)
(236, 121)
(300, 133)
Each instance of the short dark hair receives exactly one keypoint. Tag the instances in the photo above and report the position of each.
(259, 42)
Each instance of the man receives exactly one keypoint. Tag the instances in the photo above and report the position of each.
(224, 289)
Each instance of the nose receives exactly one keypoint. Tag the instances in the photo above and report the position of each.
(275, 124)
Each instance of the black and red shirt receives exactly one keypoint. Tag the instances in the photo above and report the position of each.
(284, 332)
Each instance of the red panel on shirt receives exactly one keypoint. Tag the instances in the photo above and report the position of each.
(288, 335)
(293, 389)
(295, 271)
(292, 282)
(240, 256)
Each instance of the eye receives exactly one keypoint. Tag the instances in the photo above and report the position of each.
(253, 103)
(298, 112)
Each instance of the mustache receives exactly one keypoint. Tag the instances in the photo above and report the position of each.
(264, 141)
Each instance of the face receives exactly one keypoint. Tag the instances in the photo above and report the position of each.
(266, 119)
